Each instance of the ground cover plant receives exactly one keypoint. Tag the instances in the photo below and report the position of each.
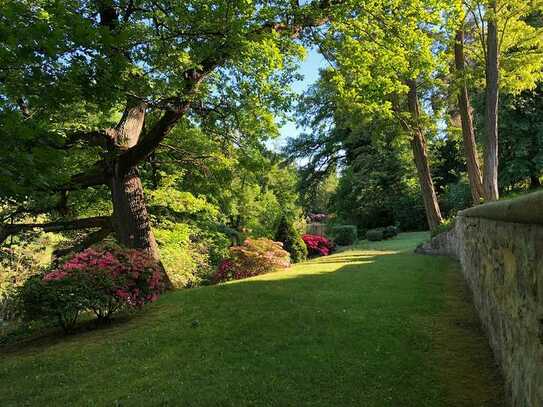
(375, 325)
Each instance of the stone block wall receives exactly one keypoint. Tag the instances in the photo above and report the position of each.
(503, 264)
(500, 247)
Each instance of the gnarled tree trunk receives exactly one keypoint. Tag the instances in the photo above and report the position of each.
(131, 222)
(418, 144)
(490, 177)
(468, 133)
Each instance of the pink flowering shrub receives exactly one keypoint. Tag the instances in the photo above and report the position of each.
(318, 245)
(103, 279)
(253, 257)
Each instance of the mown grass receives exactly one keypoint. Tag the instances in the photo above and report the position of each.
(371, 326)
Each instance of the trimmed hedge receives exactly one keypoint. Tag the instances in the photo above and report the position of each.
(344, 235)
(375, 235)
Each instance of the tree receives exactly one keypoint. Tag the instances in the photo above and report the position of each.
(508, 46)
(466, 117)
(490, 177)
(67, 70)
(385, 58)
(521, 140)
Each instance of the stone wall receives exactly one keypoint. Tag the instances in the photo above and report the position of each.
(500, 247)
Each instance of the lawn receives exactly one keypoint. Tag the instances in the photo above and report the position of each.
(375, 325)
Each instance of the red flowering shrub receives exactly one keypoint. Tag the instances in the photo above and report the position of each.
(103, 279)
(318, 245)
(254, 257)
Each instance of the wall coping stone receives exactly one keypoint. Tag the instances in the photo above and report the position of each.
(527, 209)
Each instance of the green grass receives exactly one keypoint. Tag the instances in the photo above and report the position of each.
(371, 326)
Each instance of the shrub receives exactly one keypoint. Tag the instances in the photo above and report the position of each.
(291, 239)
(104, 280)
(390, 231)
(447, 225)
(375, 235)
(344, 234)
(381, 233)
(318, 245)
(254, 257)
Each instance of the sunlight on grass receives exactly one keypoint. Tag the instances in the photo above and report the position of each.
(358, 328)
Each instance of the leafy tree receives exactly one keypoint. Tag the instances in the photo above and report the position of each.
(92, 90)
(386, 58)
(521, 140)
(507, 44)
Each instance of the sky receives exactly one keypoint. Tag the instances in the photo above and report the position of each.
(309, 68)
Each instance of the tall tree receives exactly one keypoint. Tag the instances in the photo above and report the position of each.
(420, 153)
(66, 70)
(509, 46)
(466, 117)
(490, 177)
(386, 57)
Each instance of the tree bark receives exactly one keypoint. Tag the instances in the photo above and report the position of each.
(490, 178)
(131, 221)
(418, 144)
(130, 218)
(468, 133)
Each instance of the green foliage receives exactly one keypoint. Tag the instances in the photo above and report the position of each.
(252, 258)
(275, 319)
(291, 239)
(520, 42)
(377, 234)
(445, 226)
(521, 140)
(456, 197)
(374, 235)
(103, 280)
(390, 231)
(29, 254)
(344, 235)
(59, 301)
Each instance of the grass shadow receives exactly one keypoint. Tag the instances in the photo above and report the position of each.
(369, 329)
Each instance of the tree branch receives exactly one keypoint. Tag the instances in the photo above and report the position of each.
(89, 240)
(7, 230)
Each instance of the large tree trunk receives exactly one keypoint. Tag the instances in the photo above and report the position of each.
(130, 218)
(468, 133)
(418, 143)
(131, 222)
(490, 178)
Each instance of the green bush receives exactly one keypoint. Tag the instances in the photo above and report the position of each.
(447, 225)
(374, 235)
(253, 257)
(103, 280)
(291, 239)
(390, 231)
(344, 234)
(60, 301)
(381, 233)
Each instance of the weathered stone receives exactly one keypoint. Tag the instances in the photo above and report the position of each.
(500, 247)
